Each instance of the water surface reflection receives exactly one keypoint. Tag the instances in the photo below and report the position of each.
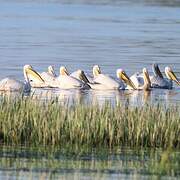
(94, 97)
(120, 163)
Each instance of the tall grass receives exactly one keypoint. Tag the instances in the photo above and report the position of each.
(25, 121)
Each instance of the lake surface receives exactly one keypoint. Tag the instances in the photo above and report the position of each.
(125, 34)
(78, 34)
(42, 163)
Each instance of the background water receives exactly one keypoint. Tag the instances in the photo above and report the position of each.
(80, 33)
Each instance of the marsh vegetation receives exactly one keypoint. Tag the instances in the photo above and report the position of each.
(30, 122)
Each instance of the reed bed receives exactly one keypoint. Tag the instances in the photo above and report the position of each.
(30, 122)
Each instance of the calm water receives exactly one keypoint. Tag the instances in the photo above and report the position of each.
(58, 164)
(78, 34)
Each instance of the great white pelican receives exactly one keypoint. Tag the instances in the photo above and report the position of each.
(10, 84)
(138, 81)
(50, 77)
(158, 80)
(65, 81)
(106, 82)
(77, 74)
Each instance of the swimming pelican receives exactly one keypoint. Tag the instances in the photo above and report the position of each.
(36, 81)
(105, 82)
(65, 81)
(89, 79)
(50, 74)
(51, 71)
(121, 74)
(96, 71)
(139, 81)
(10, 84)
(158, 81)
(77, 75)
(49, 77)
(80, 75)
(171, 75)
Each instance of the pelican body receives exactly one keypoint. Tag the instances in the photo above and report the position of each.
(78, 75)
(103, 81)
(158, 81)
(49, 77)
(141, 81)
(137, 81)
(64, 80)
(11, 84)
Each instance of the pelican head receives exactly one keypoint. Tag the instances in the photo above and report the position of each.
(147, 82)
(82, 76)
(171, 75)
(28, 70)
(51, 70)
(63, 71)
(156, 70)
(96, 70)
(122, 75)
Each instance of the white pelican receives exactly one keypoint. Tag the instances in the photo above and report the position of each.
(80, 75)
(36, 81)
(65, 81)
(158, 81)
(52, 80)
(49, 77)
(51, 71)
(121, 74)
(171, 75)
(77, 75)
(138, 81)
(105, 82)
(86, 79)
(10, 84)
(96, 71)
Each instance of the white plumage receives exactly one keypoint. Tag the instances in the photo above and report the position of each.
(158, 81)
(103, 81)
(64, 80)
(137, 81)
(11, 84)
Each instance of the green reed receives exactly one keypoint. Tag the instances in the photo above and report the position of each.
(30, 122)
